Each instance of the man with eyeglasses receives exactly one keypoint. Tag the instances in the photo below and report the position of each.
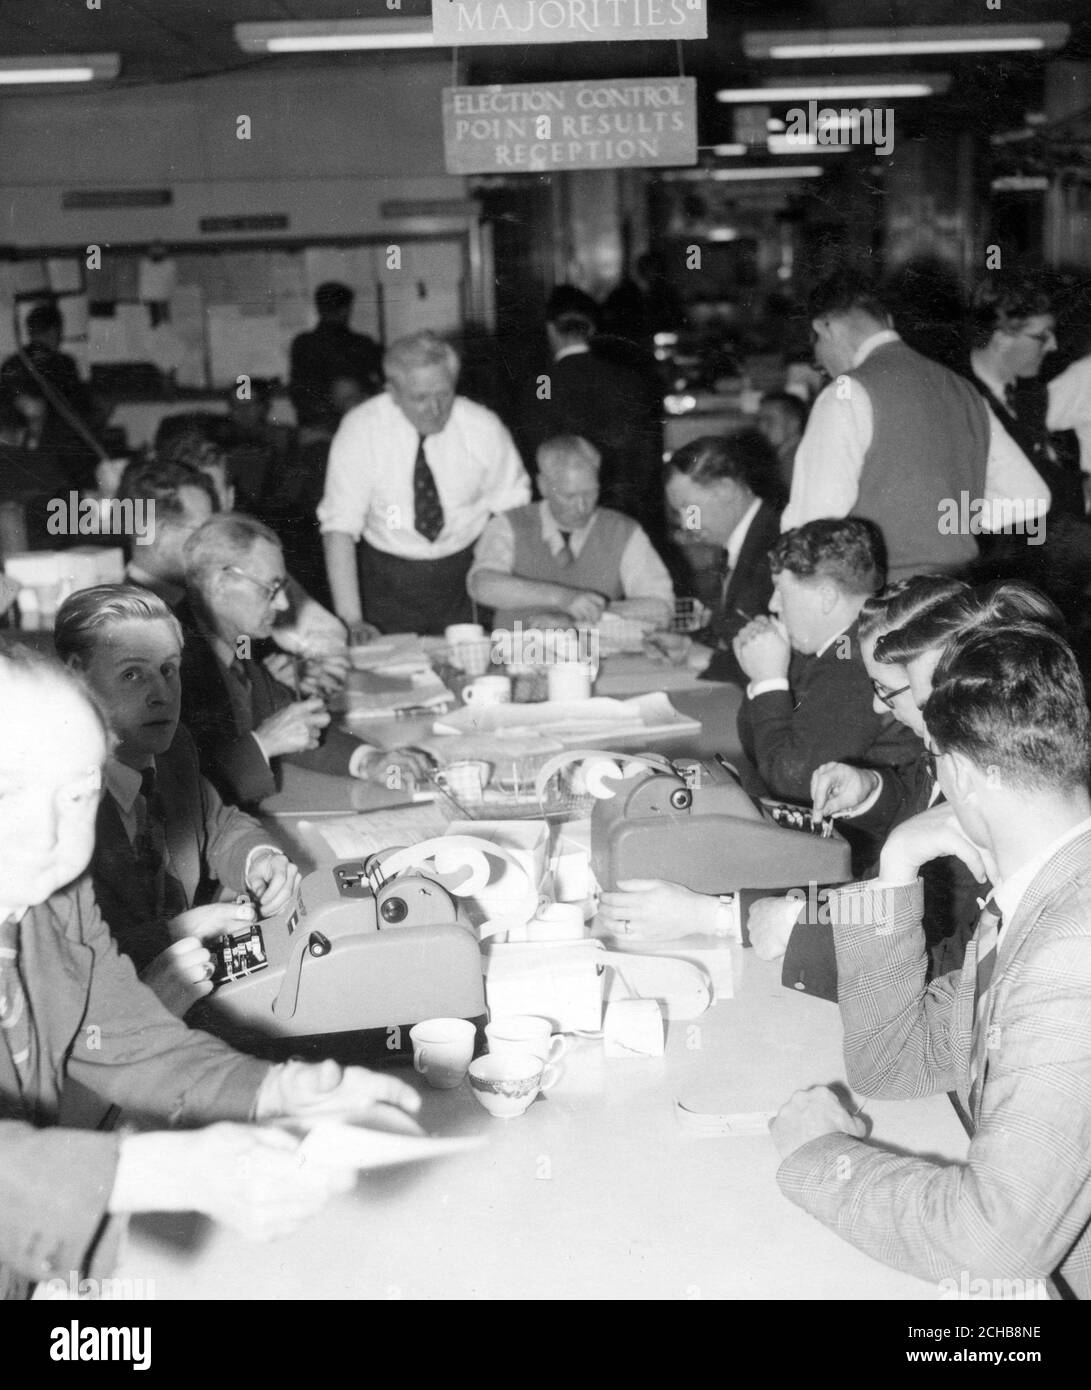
(242, 719)
(895, 435)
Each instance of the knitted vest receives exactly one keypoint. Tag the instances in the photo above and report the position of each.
(598, 565)
(930, 442)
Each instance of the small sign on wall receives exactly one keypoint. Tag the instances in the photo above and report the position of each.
(537, 128)
(466, 22)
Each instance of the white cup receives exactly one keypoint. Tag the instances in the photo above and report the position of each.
(468, 648)
(570, 680)
(506, 1085)
(462, 632)
(557, 922)
(465, 780)
(488, 690)
(525, 1033)
(442, 1050)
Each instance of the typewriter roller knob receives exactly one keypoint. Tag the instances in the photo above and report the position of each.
(318, 945)
(394, 910)
(681, 798)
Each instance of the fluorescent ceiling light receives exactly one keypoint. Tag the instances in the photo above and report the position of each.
(798, 171)
(804, 144)
(336, 35)
(837, 89)
(869, 43)
(77, 67)
(728, 151)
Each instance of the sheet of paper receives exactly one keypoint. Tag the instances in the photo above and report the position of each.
(65, 275)
(354, 1146)
(156, 279)
(355, 837)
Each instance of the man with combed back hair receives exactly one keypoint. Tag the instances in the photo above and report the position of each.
(1007, 723)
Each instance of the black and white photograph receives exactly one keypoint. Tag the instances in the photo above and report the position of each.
(545, 628)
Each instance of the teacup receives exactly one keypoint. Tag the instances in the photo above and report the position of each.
(507, 1084)
(488, 690)
(524, 1033)
(570, 680)
(442, 1050)
(465, 780)
(468, 648)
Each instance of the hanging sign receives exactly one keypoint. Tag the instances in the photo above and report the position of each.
(542, 127)
(466, 22)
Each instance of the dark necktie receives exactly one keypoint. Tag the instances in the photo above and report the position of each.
(14, 1011)
(725, 577)
(987, 935)
(150, 848)
(427, 508)
(565, 555)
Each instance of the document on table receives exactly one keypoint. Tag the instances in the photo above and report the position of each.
(356, 1146)
(355, 837)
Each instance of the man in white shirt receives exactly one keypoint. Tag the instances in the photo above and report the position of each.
(1070, 409)
(413, 476)
(1010, 1032)
(567, 557)
(896, 436)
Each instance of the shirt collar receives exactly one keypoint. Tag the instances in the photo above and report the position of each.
(734, 542)
(983, 374)
(122, 782)
(570, 351)
(877, 340)
(1010, 892)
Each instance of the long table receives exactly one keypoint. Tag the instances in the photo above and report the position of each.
(596, 1192)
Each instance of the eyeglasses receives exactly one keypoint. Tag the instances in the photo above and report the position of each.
(272, 591)
(931, 758)
(887, 696)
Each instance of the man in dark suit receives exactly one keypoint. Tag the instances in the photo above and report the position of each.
(583, 393)
(242, 719)
(328, 353)
(719, 493)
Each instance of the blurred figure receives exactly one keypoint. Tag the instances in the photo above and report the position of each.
(41, 370)
(179, 499)
(29, 478)
(1070, 409)
(583, 393)
(329, 352)
(782, 418)
(643, 304)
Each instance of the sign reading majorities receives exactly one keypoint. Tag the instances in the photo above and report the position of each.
(566, 21)
(537, 128)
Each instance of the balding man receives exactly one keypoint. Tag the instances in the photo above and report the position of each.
(566, 557)
(413, 475)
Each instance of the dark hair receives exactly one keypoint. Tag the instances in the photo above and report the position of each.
(44, 318)
(162, 483)
(846, 291)
(1004, 302)
(904, 602)
(332, 297)
(934, 623)
(745, 457)
(193, 449)
(792, 404)
(202, 422)
(1012, 698)
(567, 303)
(845, 551)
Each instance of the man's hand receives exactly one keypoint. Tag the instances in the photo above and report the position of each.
(933, 834)
(838, 789)
(273, 879)
(325, 674)
(180, 975)
(654, 910)
(310, 1091)
(398, 769)
(668, 646)
(770, 922)
(809, 1115)
(361, 633)
(209, 923)
(762, 650)
(293, 729)
(586, 606)
(252, 1180)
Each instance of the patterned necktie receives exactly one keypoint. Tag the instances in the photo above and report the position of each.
(427, 508)
(14, 1011)
(565, 555)
(150, 849)
(987, 935)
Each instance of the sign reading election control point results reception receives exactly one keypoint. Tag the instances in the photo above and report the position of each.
(534, 128)
(566, 21)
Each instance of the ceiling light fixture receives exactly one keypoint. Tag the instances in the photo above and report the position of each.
(75, 67)
(745, 175)
(882, 43)
(836, 89)
(336, 36)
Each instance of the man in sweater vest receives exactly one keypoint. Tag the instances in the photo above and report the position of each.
(899, 440)
(566, 557)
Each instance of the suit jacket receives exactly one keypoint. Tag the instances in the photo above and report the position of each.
(1020, 1205)
(208, 844)
(826, 715)
(98, 1026)
(750, 588)
(230, 758)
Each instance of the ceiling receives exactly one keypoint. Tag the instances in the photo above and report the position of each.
(176, 40)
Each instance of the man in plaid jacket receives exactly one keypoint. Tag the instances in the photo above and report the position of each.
(1010, 1032)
